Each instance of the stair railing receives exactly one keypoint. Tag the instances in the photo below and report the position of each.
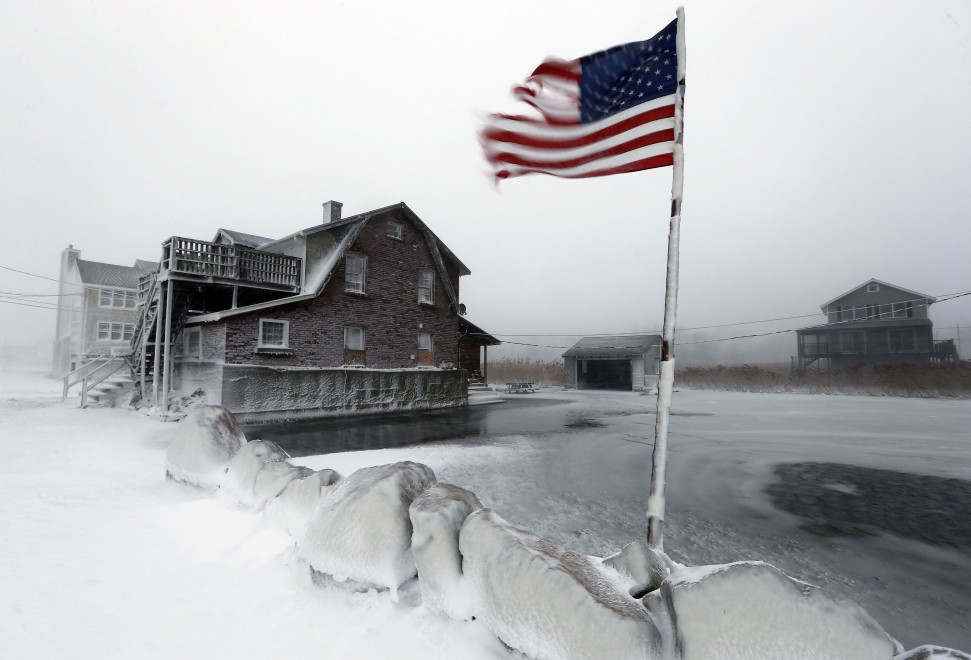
(98, 376)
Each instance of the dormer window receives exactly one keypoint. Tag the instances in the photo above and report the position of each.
(394, 230)
(872, 287)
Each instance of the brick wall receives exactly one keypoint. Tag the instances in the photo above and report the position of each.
(388, 311)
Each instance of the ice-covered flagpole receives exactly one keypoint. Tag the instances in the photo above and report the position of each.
(655, 501)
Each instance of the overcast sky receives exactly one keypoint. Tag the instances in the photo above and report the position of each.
(825, 143)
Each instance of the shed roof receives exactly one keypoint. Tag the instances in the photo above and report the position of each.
(614, 346)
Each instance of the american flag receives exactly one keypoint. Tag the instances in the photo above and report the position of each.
(605, 113)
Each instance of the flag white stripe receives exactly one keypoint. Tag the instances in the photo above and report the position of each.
(554, 153)
(534, 128)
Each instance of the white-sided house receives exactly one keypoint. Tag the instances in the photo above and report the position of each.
(97, 309)
(617, 362)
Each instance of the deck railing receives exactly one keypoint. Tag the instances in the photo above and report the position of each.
(187, 256)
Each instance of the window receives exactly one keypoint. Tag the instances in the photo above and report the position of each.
(394, 230)
(815, 345)
(426, 287)
(903, 340)
(192, 343)
(117, 298)
(872, 287)
(354, 338)
(424, 341)
(274, 334)
(115, 331)
(355, 266)
(873, 311)
(852, 341)
(903, 310)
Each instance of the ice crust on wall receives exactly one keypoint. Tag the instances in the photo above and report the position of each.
(549, 602)
(293, 507)
(361, 529)
(932, 652)
(436, 518)
(205, 442)
(258, 472)
(752, 610)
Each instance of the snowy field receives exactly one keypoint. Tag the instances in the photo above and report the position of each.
(103, 558)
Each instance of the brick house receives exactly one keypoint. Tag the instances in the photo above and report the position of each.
(97, 309)
(355, 314)
(873, 323)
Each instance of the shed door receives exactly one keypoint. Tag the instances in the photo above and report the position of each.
(604, 375)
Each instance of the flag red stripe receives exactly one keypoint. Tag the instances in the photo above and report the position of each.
(666, 135)
(559, 69)
(662, 160)
(513, 137)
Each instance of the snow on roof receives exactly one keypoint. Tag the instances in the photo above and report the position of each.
(94, 272)
(614, 346)
(241, 238)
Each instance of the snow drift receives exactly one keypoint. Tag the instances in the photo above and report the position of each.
(549, 602)
(361, 529)
(436, 518)
(204, 443)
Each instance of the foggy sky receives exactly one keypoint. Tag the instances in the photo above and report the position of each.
(825, 143)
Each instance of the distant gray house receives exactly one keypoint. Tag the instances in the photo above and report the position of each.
(617, 362)
(873, 323)
(97, 309)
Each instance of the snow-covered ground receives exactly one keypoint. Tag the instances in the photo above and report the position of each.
(101, 557)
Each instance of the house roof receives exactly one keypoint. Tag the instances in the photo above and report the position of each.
(240, 238)
(123, 277)
(346, 231)
(146, 266)
(469, 329)
(915, 294)
(613, 346)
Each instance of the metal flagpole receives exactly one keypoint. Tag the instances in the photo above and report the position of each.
(655, 502)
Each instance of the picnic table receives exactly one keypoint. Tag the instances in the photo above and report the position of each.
(521, 387)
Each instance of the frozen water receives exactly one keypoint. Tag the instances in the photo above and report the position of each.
(752, 610)
(205, 442)
(361, 529)
(643, 566)
(436, 518)
(549, 602)
(931, 652)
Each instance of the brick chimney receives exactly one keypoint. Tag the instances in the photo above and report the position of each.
(332, 211)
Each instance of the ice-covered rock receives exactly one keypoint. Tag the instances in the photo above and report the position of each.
(932, 652)
(204, 444)
(361, 529)
(752, 610)
(549, 602)
(436, 518)
(644, 567)
(259, 470)
(292, 508)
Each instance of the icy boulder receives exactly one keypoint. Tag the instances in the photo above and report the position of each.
(643, 567)
(548, 602)
(292, 508)
(259, 471)
(204, 443)
(752, 610)
(436, 518)
(361, 528)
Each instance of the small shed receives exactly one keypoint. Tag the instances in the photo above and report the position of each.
(614, 362)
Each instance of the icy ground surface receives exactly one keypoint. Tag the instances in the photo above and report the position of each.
(103, 558)
(867, 496)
